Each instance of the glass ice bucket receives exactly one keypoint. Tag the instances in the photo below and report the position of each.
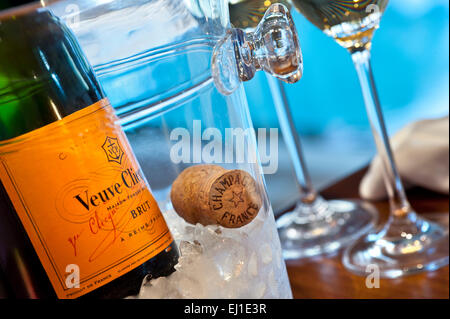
(173, 69)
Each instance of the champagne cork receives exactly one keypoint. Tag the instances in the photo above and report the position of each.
(212, 195)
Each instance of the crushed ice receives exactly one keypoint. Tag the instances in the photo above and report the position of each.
(217, 262)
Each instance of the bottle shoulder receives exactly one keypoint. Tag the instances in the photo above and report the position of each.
(44, 75)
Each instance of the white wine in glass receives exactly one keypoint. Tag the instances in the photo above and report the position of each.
(407, 243)
(315, 226)
(351, 23)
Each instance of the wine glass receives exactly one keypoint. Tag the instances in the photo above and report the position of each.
(315, 226)
(407, 243)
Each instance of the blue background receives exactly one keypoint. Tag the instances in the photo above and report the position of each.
(410, 62)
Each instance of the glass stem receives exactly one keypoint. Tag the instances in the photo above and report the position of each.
(399, 204)
(290, 136)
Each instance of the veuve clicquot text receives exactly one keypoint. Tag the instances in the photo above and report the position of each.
(77, 218)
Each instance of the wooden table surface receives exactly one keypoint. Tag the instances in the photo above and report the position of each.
(325, 277)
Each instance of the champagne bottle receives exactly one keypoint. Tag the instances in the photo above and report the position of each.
(77, 218)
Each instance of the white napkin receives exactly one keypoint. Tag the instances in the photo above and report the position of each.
(421, 151)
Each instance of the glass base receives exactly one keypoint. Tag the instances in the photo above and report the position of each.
(323, 227)
(401, 248)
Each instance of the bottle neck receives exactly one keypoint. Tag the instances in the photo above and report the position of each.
(44, 75)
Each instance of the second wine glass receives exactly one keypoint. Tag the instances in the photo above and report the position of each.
(407, 243)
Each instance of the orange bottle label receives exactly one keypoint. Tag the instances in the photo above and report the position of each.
(83, 200)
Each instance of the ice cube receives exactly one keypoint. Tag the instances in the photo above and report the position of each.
(259, 290)
(187, 286)
(253, 265)
(232, 261)
(272, 282)
(217, 262)
(188, 249)
(155, 289)
(265, 252)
